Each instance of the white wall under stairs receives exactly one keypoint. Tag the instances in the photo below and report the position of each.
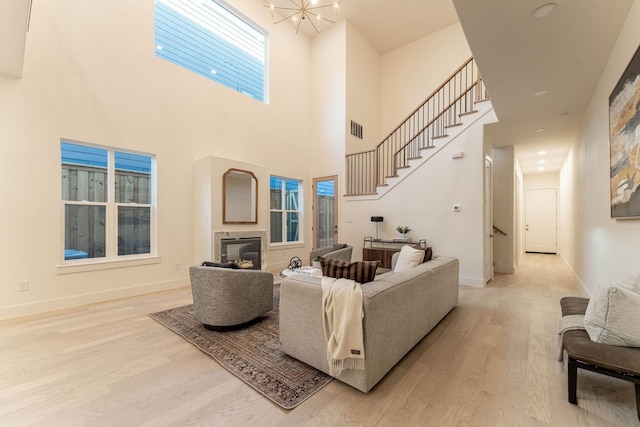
(482, 109)
(423, 197)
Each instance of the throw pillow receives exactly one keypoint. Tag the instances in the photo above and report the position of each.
(219, 265)
(409, 257)
(630, 283)
(360, 271)
(428, 252)
(613, 317)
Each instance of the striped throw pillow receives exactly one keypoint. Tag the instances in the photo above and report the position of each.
(360, 271)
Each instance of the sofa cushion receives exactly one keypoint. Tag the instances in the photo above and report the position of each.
(409, 257)
(613, 317)
(360, 271)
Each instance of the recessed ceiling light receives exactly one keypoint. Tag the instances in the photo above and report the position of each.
(540, 130)
(159, 47)
(543, 10)
(214, 72)
(540, 168)
(541, 93)
(542, 153)
(563, 115)
(540, 162)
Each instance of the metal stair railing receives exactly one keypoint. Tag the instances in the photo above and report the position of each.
(365, 171)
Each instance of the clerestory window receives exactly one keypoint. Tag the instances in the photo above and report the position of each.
(212, 39)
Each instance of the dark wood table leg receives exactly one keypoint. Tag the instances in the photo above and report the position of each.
(572, 380)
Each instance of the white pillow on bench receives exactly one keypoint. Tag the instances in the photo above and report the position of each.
(613, 317)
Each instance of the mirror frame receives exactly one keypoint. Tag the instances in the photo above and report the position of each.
(224, 197)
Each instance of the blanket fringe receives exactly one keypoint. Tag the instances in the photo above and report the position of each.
(336, 366)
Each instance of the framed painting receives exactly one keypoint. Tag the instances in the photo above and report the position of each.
(624, 142)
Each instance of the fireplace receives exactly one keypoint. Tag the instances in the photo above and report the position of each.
(246, 251)
(249, 245)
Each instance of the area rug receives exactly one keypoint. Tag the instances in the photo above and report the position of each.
(251, 353)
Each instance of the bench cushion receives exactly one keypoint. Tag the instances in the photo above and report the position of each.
(580, 347)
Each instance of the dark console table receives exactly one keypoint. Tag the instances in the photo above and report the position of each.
(383, 250)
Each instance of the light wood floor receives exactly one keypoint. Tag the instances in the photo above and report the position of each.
(490, 362)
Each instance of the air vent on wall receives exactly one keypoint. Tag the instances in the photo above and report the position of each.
(356, 129)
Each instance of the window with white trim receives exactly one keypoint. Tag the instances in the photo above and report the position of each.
(286, 209)
(214, 40)
(108, 203)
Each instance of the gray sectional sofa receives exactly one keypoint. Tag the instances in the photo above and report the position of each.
(399, 310)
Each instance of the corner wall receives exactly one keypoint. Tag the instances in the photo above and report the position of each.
(504, 192)
(598, 249)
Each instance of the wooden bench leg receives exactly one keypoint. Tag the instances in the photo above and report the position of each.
(638, 400)
(572, 380)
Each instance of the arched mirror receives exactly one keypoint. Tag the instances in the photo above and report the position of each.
(239, 197)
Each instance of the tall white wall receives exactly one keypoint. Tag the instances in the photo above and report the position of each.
(91, 74)
(411, 73)
(363, 91)
(542, 180)
(599, 249)
(504, 192)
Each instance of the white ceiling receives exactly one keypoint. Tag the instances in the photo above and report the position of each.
(13, 33)
(563, 53)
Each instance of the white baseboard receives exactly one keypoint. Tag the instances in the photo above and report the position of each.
(40, 307)
(472, 281)
(574, 274)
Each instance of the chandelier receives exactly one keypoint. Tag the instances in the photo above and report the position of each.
(297, 11)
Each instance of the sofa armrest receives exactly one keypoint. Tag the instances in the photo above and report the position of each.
(342, 254)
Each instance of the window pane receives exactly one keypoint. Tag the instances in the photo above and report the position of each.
(84, 173)
(134, 232)
(133, 178)
(84, 231)
(293, 229)
(208, 39)
(292, 195)
(276, 193)
(276, 227)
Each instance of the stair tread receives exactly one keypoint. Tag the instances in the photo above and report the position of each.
(453, 125)
(440, 136)
(467, 113)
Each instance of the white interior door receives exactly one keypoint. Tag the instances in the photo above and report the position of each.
(541, 220)
(488, 220)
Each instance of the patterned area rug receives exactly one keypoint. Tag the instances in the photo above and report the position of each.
(252, 353)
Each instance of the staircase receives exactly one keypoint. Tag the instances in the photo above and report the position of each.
(439, 117)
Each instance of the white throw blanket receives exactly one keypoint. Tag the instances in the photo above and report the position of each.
(567, 323)
(342, 322)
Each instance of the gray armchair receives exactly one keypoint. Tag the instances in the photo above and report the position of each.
(341, 251)
(228, 297)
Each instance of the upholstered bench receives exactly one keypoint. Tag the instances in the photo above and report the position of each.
(614, 361)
